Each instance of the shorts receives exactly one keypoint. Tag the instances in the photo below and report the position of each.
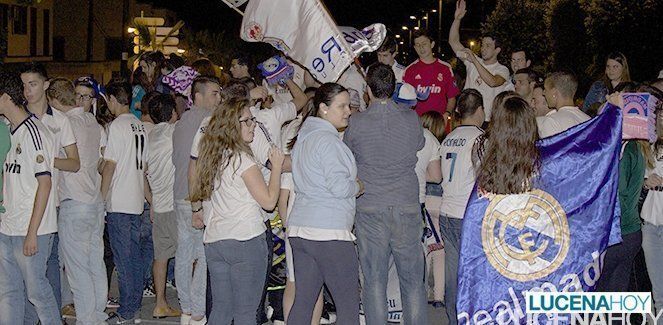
(164, 235)
(289, 262)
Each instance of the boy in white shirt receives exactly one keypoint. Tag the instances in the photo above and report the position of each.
(28, 224)
(122, 189)
(160, 175)
(35, 83)
(484, 74)
(81, 218)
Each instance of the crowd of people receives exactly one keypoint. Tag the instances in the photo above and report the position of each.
(172, 179)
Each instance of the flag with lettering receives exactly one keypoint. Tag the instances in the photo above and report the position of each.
(303, 30)
(552, 238)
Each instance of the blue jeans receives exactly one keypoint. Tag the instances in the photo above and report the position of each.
(382, 232)
(20, 274)
(450, 230)
(81, 228)
(146, 245)
(191, 282)
(124, 237)
(237, 270)
(652, 245)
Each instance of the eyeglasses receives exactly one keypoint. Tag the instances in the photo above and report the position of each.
(83, 97)
(249, 121)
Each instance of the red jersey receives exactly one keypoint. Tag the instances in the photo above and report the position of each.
(436, 77)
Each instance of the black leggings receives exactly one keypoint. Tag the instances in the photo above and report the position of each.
(334, 263)
(618, 264)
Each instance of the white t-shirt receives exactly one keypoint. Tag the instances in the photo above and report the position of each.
(160, 168)
(29, 157)
(60, 127)
(84, 185)
(198, 137)
(399, 71)
(563, 119)
(234, 213)
(430, 152)
(287, 183)
(457, 171)
(282, 94)
(352, 79)
(474, 81)
(652, 208)
(127, 147)
(272, 119)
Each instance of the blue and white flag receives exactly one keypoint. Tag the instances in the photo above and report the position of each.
(552, 238)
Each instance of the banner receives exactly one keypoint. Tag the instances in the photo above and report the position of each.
(550, 239)
(303, 30)
(368, 39)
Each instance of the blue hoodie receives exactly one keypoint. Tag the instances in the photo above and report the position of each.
(324, 172)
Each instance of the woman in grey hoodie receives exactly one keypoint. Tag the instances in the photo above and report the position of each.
(320, 224)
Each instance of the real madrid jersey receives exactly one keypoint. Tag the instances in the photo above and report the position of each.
(436, 78)
(59, 126)
(30, 156)
(457, 171)
(161, 171)
(127, 147)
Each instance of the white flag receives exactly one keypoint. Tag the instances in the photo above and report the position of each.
(303, 30)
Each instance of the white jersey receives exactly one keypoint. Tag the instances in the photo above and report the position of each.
(160, 168)
(352, 79)
(127, 147)
(457, 171)
(474, 81)
(29, 157)
(198, 137)
(287, 183)
(561, 120)
(272, 119)
(652, 208)
(429, 153)
(281, 93)
(84, 185)
(399, 71)
(59, 126)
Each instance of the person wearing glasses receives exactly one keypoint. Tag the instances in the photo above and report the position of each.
(229, 177)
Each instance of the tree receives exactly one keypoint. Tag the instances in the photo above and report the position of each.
(633, 27)
(567, 40)
(519, 24)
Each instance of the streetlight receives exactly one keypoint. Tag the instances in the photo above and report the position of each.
(131, 30)
(409, 34)
(416, 27)
(413, 17)
(398, 36)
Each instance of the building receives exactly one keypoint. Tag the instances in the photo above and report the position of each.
(26, 30)
(73, 37)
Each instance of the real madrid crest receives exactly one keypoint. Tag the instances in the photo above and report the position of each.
(525, 236)
(40, 159)
(18, 149)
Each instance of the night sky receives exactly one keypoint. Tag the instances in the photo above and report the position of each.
(215, 15)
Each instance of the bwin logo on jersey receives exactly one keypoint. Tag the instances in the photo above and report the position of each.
(525, 236)
(432, 88)
(13, 168)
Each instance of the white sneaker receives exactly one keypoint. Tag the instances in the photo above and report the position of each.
(329, 319)
(185, 319)
(198, 322)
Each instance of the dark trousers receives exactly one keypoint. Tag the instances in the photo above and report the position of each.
(334, 263)
(261, 317)
(618, 264)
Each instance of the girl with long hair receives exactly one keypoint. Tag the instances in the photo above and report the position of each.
(616, 72)
(228, 176)
(320, 224)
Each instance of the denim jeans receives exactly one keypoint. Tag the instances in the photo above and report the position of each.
(81, 228)
(146, 245)
(652, 245)
(191, 282)
(124, 237)
(382, 232)
(237, 270)
(21, 275)
(450, 230)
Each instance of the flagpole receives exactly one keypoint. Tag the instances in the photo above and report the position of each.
(234, 8)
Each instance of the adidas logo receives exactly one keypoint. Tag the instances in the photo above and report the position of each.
(418, 77)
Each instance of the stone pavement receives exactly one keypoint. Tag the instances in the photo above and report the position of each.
(435, 316)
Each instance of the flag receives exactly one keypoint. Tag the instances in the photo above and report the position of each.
(303, 30)
(552, 238)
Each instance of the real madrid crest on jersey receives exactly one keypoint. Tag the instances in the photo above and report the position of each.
(18, 149)
(525, 236)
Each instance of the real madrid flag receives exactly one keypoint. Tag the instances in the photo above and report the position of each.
(552, 238)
